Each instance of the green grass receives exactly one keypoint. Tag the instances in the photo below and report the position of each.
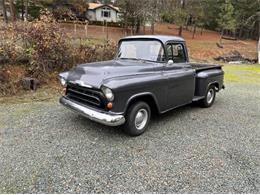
(242, 73)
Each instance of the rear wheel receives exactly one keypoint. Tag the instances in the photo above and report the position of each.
(210, 96)
(137, 118)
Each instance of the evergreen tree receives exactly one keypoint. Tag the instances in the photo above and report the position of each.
(226, 20)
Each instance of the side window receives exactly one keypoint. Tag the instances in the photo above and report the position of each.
(176, 52)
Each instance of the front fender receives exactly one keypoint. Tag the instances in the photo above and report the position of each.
(128, 88)
(143, 97)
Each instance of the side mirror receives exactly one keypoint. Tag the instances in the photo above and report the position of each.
(170, 62)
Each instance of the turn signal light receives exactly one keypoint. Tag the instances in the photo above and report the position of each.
(109, 105)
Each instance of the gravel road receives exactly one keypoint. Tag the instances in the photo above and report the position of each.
(45, 148)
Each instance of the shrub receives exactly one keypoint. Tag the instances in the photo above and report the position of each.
(95, 52)
(40, 42)
(45, 45)
(43, 48)
(11, 48)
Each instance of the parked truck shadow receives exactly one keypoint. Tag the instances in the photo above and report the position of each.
(87, 125)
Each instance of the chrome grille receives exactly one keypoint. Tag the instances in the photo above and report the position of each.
(85, 95)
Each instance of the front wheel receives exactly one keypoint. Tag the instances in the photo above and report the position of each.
(137, 118)
(209, 99)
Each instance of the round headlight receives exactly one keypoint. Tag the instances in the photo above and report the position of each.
(108, 93)
(63, 81)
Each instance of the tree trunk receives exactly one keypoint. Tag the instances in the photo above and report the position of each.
(4, 11)
(22, 2)
(126, 25)
(144, 28)
(221, 36)
(12, 10)
(138, 24)
(180, 31)
(240, 33)
(132, 28)
(201, 30)
(259, 50)
(183, 3)
(194, 31)
(152, 27)
(26, 10)
(182, 7)
(187, 23)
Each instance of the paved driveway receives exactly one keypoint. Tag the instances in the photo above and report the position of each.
(46, 148)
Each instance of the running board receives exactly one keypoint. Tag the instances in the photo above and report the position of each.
(197, 98)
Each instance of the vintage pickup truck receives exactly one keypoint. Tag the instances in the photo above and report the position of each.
(150, 74)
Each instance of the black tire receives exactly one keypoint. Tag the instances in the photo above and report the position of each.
(130, 127)
(208, 102)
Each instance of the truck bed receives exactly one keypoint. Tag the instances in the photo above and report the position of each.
(200, 67)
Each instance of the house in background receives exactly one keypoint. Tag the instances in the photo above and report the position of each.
(103, 12)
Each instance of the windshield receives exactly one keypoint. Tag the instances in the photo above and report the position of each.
(150, 50)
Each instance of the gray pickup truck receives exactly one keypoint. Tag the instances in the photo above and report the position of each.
(150, 74)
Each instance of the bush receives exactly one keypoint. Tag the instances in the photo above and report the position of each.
(41, 43)
(95, 52)
(11, 49)
(43, 49)
(46, 45)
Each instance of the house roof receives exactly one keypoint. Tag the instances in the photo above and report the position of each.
(93, 6)
(162, 38)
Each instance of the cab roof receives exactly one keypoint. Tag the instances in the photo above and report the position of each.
(162, 38)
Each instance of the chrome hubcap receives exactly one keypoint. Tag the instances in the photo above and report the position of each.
(141, 119)
(210, 96)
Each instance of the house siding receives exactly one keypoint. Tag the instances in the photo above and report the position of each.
(91, 15)
(96, 15)
(113, 15)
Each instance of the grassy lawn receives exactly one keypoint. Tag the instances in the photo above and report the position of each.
(242, 73)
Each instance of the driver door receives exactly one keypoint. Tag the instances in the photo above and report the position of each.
(180, 77)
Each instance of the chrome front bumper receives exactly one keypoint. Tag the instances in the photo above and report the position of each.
(104, 118)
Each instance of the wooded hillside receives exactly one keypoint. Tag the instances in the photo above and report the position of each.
(236, 18)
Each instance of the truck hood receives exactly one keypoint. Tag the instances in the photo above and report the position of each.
(95, 74)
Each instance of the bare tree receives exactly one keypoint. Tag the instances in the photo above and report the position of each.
(152, 12)
(4, 11)
(182, 9)
(26, 10)
(12, 10)
(132, 14)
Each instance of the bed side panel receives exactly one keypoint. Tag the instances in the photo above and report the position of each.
(207, 77)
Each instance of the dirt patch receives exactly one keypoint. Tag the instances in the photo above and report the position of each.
(10, 79)
(202, 48)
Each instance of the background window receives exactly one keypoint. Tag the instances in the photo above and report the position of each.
(106, 13)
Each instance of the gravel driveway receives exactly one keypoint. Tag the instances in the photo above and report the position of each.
(47, 148)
